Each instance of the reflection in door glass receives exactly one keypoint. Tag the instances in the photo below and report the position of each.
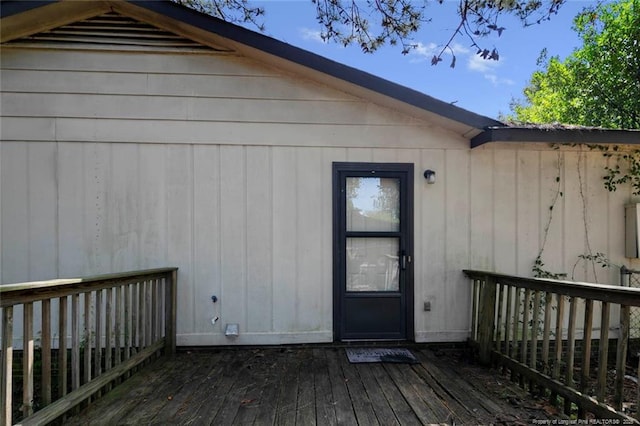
(373, 204)
(372, 264)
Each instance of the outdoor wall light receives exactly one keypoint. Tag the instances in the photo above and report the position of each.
(430, 176)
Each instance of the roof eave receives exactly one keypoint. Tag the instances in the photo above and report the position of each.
(557, 136)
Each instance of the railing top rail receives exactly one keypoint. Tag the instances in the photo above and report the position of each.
(625, 270)
(603, 292)
(11, 294)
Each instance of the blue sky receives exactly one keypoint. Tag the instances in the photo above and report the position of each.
(484, 87)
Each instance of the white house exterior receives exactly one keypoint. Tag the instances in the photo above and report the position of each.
(198, 144)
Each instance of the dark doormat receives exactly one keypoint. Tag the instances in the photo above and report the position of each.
(396, 355)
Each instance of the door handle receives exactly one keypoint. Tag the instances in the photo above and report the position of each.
(404, 259)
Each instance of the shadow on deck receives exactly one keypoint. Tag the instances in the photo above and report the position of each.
(313, 385)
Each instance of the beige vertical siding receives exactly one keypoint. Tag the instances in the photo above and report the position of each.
(220, 166)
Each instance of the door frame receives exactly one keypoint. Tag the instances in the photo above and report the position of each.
(341, 170)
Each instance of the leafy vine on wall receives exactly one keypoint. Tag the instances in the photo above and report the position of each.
(622, 168)
(626, 169)
(538, 270)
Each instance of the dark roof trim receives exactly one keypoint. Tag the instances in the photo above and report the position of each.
(295, 55)
(10, 8)
(559, 136)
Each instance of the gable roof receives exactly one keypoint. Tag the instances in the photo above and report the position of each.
(24, 18)
(245, 41)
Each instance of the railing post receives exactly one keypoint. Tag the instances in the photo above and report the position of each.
(486, 320)
(170, 312)
(7, 364)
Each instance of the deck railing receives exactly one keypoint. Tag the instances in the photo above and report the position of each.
(79, 336)
(559, 338)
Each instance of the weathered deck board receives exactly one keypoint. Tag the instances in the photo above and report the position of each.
(310, 385)
(123, 400)
(211, 401)
(270, 386)
(325, 410)
(362, 406)
(399, 405)
(306, 408)
(382, 408)
(472, 398)
(288, 396)
(341, 400)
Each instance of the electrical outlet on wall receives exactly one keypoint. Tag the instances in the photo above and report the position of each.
(427, 306)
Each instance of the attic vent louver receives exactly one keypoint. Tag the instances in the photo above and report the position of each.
(113, 29)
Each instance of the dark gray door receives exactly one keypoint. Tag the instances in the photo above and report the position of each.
(373, 225)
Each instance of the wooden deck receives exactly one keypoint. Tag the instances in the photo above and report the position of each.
(311, 385)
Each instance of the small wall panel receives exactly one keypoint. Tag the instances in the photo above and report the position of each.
(286, 290)
(528, 213)
(259, 226)
(207, 251)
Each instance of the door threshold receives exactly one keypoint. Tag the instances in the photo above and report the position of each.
(373, 342)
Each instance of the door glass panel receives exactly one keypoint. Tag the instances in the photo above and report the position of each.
(372, 264)
(373, 204)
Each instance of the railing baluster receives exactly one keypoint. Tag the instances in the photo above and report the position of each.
(128, 321)
(62, 346)
(525, 326)
(45, 352)
(586, 345)
(548, 300)
(154, 307)
(7, 364)
(558, 345)
(534, 335)
(586, 351)
(571, 347)
(97, 357)
(516, 317)
(524, 340)
(118, 341)
(499, 325)
(135, 289)
(162, 303)
(142, 315)
(27, 359)
(75, 341)
(87, 337)
(623, 341)
(603, 352)
(149, 312)
(108, 333)
(507, 321)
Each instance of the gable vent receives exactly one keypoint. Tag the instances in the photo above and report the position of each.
(112, 29)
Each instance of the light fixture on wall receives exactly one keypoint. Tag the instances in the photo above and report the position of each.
(430, 176)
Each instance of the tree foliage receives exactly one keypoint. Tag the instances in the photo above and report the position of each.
(236, 11)
(371, 24)
(599, 83)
